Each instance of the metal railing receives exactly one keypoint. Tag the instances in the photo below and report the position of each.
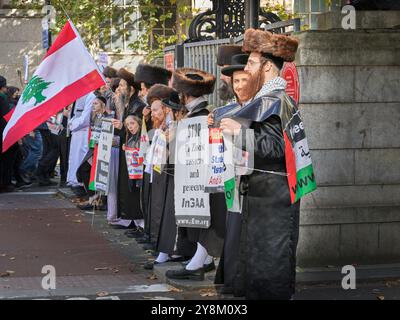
(203, 55)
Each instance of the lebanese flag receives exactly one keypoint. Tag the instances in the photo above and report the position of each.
(66, 73)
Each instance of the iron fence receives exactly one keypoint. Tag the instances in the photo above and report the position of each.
(203, 54)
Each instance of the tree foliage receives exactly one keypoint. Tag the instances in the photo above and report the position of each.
(93, 20)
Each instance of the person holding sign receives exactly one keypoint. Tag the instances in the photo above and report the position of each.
(134, 166)
(155, 162)
(167, 231)
(194, 85)
(227, 268)
(84, 171)
(127, 103)
(270, 224)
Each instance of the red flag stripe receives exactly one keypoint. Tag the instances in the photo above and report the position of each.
(8, 116)
(290, 167)
(30, 120)
(66, 35)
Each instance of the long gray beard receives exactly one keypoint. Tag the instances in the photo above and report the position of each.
(120, 106)
(225, 91)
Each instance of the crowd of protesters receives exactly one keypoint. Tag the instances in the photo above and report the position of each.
(256, 244)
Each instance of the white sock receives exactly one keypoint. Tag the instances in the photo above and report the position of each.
(139, 223)
(208, 260)
(162, 257)
(198, 258)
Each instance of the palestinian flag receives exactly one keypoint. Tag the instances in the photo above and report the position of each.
(8, 115)
(300, 173)
(92, 185)
(299, 167)
(66, 73)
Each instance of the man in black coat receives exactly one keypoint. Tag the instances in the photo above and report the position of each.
(128, 103)
(270, 227)
(148, 76)
(194, 85)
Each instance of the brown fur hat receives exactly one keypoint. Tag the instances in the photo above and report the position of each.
(152, 74)
(128, 77)
(226, 52)
(109, 72)
(193, 82)
(278, 45)
(158, 92)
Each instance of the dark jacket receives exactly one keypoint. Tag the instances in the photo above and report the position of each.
(270, 227)
(128, 193)
(211, 238)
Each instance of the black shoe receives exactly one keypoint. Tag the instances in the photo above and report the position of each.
(119, 227)
(134, 234)
(85, 207)
(144, 239)
(23, 184)
(179, 259)
(183, 274)
(79, 191)
(149, 246)
(209, 267)
(149, 265)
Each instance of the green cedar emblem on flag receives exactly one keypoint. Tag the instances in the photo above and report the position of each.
(34, 89)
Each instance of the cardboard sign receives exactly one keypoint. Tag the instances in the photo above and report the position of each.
(214, 178)
(192, 207)
(103, 156)
(134, 163)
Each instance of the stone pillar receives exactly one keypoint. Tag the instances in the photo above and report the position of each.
(350, 103)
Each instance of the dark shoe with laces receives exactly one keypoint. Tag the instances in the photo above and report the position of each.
(209, 267)
(183, 274)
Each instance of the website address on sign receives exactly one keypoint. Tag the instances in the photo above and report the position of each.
(192, 221)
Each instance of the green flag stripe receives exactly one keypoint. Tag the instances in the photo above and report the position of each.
(305, 181)
(229, 192)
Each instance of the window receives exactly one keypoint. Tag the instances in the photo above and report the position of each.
(308, 10)
(125, 17)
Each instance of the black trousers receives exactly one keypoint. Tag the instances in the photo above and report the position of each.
(49, 156)
(64, 144)
(83, 176)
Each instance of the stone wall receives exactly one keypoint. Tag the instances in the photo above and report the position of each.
(20, 34)
(350, 103)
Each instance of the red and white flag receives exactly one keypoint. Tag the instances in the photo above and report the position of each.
(66, 73)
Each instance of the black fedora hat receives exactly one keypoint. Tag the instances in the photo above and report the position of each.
(238, 63)
(173, 102)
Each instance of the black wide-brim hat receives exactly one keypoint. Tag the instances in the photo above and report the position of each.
(238, 63)
(173, 102)
(226, 52)
(152, 74)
